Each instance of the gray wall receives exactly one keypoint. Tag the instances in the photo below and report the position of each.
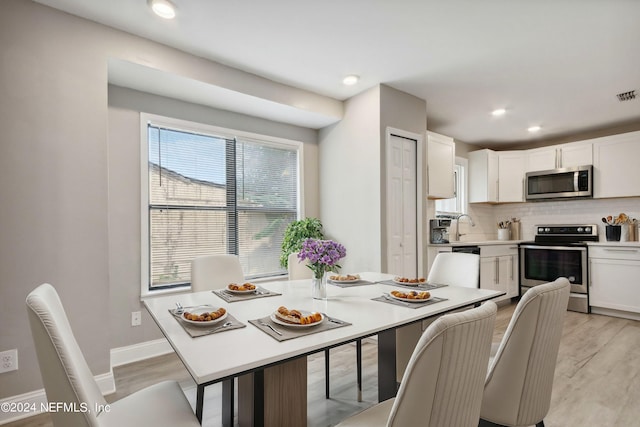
(70, 180)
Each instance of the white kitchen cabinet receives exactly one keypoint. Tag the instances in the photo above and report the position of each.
(496, 177)
(616, 165)
(483, 176)
(499, 269)
(613, 278)
(441, 156)
(560, 156)
(511, 165)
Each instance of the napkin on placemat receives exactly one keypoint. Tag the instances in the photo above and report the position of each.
(231, 297)
(290, 332)
(198, 331)
(422, 286)
(350, 285)
(390, 300)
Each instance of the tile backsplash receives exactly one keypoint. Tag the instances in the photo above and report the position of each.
(575, 211)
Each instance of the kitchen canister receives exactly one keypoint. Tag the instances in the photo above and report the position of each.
(503, 234)
(628, 233)
(515, 229)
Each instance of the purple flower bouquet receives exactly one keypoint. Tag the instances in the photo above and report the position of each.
(322, 256)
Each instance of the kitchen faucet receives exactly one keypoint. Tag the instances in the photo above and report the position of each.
(458, 234)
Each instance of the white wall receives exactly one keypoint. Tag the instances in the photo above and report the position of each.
(350, 197)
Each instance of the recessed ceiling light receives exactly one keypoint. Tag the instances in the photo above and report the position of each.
(350, 80)
(498, 112)
(163, 8)
(534, 129)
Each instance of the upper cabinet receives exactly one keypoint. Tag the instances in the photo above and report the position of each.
(616, 166)
(511, 166)
(496, 177)
(441, 155)
(560, 156)
(483, 176)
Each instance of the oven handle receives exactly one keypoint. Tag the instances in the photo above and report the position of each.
(562, 248)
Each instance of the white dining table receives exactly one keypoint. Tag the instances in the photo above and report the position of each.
(223, 356)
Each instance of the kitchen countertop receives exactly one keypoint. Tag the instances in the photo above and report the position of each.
(515, 242)
(478, 243)
(621, 244)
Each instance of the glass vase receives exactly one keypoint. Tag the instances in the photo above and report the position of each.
(319, 287)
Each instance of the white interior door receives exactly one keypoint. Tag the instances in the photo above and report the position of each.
(402, 241)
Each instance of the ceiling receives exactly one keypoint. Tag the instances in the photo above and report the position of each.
(558, 64)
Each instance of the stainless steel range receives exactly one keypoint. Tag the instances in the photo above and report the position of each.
(559, 251)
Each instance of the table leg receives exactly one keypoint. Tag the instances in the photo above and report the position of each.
(359, 368)
(326, 373)
(228, 396)
(199, 402)
(275, 396)
(387, 384)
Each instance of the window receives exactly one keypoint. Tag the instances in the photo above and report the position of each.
(208, 190)
(457, 205)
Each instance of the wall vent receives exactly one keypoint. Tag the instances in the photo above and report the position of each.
(626, 96)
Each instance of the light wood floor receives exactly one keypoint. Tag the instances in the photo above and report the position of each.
(596, 382)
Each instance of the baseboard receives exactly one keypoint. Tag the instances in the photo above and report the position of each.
(141, 351)
(34, 402)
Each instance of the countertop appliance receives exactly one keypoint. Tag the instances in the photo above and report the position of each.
(559, 251)
(439, 230)
(559, 183)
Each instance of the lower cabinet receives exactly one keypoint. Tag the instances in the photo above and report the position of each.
(613, 278)
(499, 269)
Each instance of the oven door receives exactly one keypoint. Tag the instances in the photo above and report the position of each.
(543, 264)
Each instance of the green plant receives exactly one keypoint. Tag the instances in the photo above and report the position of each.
(296, 233)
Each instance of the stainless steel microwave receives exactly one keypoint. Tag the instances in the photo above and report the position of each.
(559, 183)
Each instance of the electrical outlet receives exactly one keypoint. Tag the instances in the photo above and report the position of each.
(136, 318)
(9, 360)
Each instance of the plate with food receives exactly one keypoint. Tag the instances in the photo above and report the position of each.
(409, 282)
(345, 278)
(410, 296)
(296, 318)
(245, 288)
(204, 316)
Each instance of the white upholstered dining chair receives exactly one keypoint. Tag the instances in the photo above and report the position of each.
(449, 268)
(210, 272)
(519, 382)
(444, 378)
(296, 269)
(67, 377)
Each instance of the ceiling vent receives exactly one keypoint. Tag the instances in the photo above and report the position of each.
(626, 96)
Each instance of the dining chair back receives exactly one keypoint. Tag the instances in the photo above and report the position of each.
(455, 269)
(519, 382)
(444, 380)
(297, 269)
(67, 377)
(210, 272)
(448, 268)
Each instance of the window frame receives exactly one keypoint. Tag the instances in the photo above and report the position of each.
(200, 128)
(461, 190)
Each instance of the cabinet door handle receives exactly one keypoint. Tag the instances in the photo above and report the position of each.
(620, 250)
(512, 267)
(497, 268)
(559, 157)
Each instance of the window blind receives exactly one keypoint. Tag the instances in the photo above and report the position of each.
(211, 194)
